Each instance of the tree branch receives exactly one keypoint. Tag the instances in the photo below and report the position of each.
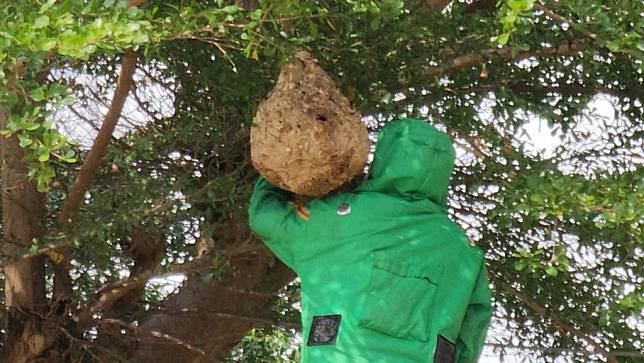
(558, 322)
(251, 319)
(87, 173)
(505, 53)
(99, 148)
(154, 333)
(111, 294)
(565, 89)
(7, 259)
(551, 350)
(254, 272)
(563, 20)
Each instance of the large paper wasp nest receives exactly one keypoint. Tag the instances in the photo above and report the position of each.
(306, 137)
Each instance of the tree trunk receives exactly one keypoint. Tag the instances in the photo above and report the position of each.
(205, 320)
(23, 210)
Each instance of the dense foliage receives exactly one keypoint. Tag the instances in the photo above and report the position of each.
(560, 220)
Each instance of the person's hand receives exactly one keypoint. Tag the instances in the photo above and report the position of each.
(300, 209)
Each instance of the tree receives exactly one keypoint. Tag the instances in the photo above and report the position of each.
(84, 229)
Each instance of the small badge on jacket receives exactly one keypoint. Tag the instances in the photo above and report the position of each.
(324, 330)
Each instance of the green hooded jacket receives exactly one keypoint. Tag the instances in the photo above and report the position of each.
(386, 276)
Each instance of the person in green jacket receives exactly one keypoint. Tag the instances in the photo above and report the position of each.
(386, 276)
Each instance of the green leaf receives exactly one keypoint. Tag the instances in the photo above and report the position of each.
(510, 18)
(519, 5)
(16, 123)
(70, 154)
(108, 3)
(41, 22)
(614, 46)
(42, 185)
(503, 38)
(34, 248)
(230, 9)
(69, 100)
(552, 271)
(48, 45)
(256, 15)
(47, 124)
(46, 6)
(25, 141)
(132, 11)
(38, 94)
(375, 23)
(43, 157)
(34, 126)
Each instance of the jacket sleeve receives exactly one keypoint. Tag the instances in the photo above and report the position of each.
(273, 219)
(476, 321)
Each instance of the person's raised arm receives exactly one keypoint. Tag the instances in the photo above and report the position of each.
(273, 217)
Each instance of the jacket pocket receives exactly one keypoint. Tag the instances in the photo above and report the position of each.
(399, 297)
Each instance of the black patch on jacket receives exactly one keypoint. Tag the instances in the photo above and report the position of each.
(324, 330)
(445, 351)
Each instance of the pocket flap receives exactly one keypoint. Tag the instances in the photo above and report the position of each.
(409, 268)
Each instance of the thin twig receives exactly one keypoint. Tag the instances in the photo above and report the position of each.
(112, 293)
(192, 196)
(558, 322)
(505, 53)
(616, 353)
(156, 209)
(563, 20)
(251, 319)
(156, 334)
(79, 342)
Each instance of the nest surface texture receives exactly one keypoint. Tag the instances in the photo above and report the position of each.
(306, 137)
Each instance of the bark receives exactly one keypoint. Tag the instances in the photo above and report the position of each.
(23, 209)
(213, 316)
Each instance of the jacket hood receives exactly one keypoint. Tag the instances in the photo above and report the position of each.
(412, 159)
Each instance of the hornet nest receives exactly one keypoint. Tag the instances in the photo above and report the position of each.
(306, 137)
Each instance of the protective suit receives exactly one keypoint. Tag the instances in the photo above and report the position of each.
(386, 276)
